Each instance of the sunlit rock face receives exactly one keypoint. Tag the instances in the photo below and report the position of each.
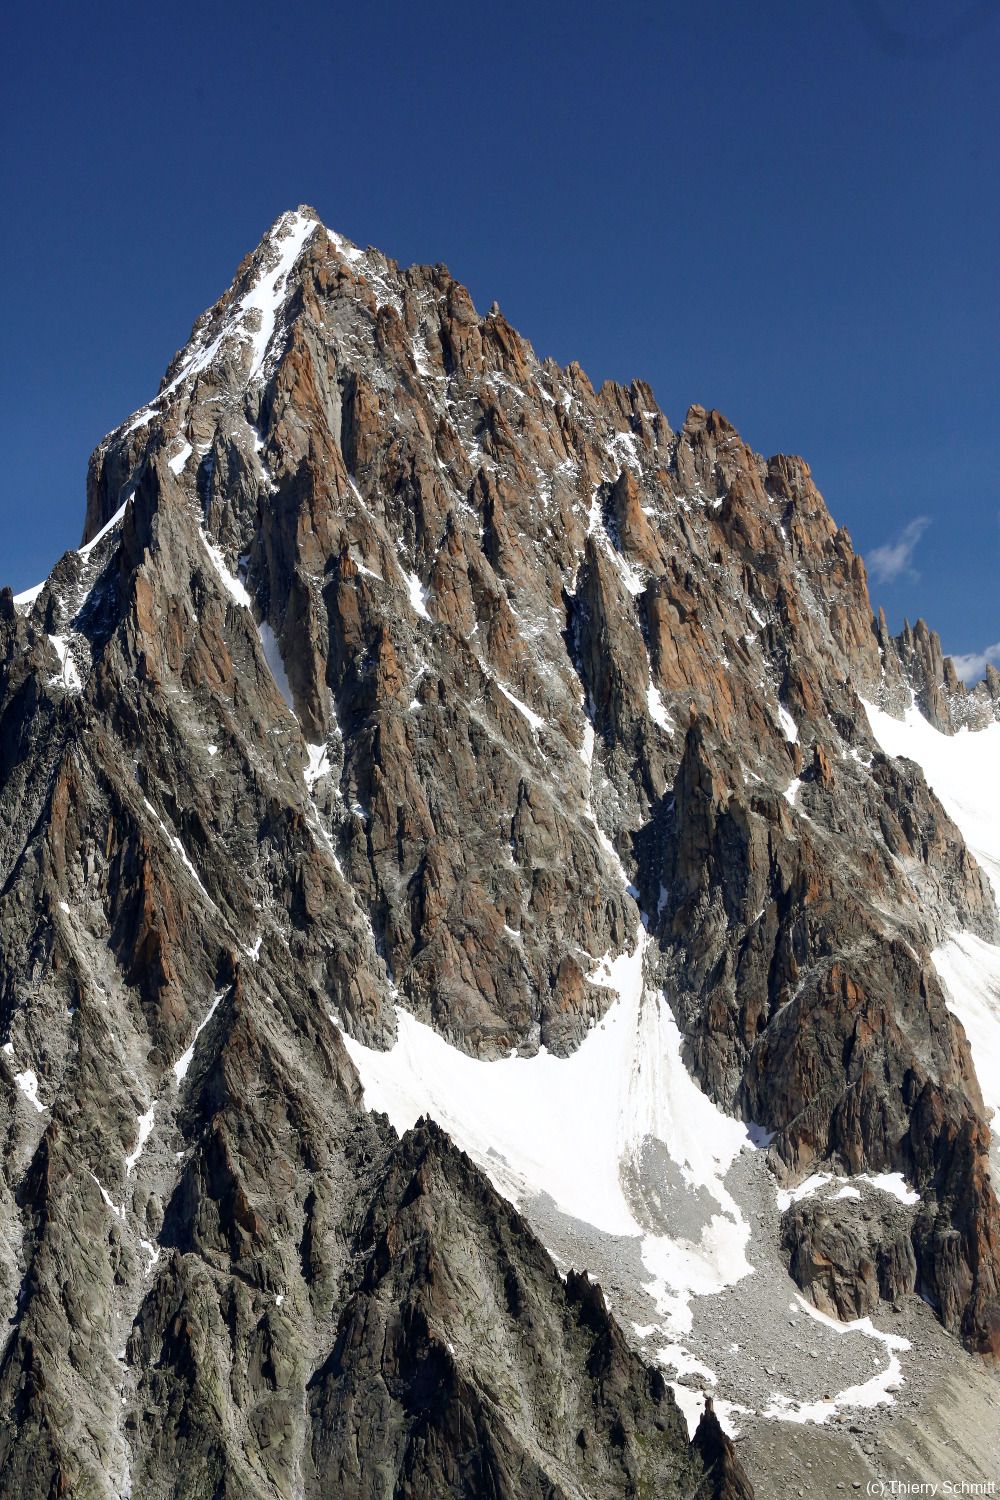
(405, 686)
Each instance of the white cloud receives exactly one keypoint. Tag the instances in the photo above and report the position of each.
(972, 666)
(893, 559)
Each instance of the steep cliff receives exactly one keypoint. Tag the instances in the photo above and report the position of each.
(400, 669)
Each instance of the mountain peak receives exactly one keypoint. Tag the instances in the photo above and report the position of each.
(420, 731)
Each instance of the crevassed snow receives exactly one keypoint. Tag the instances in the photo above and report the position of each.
(874, 1392)
(184, 1061)
(230, 582)
(961, 769)
(566, 1127)
(275, 662)
(144, 1129)
(28, 1084)
(179, 461)
(535, 720)
(418, 595)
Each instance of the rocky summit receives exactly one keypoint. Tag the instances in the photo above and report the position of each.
(491, 1003)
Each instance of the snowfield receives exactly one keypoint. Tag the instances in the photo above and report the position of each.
(963, 771)
(572, 1131)
(565, 1127)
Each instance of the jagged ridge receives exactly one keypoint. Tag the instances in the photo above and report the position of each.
(388, 642)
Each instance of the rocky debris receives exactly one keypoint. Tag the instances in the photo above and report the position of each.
(392, 654)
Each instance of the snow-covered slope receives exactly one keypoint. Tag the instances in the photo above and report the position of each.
(963, 770)
(568, 1127)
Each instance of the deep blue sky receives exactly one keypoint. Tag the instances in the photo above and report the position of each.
(786, 210)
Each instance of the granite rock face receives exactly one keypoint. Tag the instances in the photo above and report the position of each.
(397, 667)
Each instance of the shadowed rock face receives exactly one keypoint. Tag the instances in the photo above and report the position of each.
(446, 1269)
(389, 645)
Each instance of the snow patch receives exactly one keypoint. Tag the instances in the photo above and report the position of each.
(28, 596)
(792, 790)
(28, 1084)
(418, 595)
(658, 709)
(893, 1183)
(233, 586)
(275, 662)
(144, 1129)
(152, 1251)
(119, 1213)
(874, 1392)
(178, 463)
(266, 296)
(568, 1126)
(969, 971)
(587, 747)
(184, 1061)
(788, 725)
(68, 677)
(961, 770)
(535, 720)
(176, 844)
(108, 527)
(344, 247)
(318, 766)
(262, 302)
